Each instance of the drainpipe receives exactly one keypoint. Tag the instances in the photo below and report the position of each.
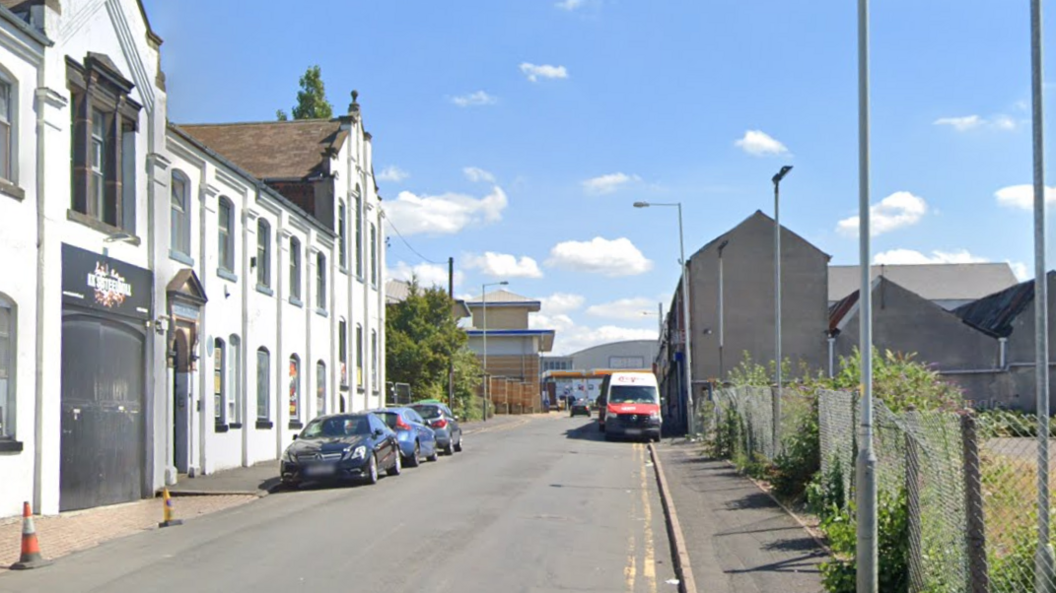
(205, 397)
(1002, 356)
(38, 428)
(832, 355)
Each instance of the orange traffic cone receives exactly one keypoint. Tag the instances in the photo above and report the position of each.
(169, 512)
(30, 557)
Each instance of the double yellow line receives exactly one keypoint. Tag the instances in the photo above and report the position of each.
(640, 504)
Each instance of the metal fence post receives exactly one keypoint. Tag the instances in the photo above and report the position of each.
(975, 536)
(913, 486)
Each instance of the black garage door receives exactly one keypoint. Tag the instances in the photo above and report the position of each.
(102, 419)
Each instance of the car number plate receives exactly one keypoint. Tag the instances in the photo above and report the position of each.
(634, 431)
(319, 470)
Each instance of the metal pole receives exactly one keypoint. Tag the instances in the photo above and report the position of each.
(1043, 558)
(776, 427)
(484, 298)
(691, 420)
(722, 319)
(866, 552)
(451, 360)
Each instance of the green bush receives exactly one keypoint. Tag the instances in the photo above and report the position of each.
(840, 574)
(899, 380)
(800, 458)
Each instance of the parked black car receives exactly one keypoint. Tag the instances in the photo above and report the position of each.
(580, 406)
(341, 447)
(444, 423)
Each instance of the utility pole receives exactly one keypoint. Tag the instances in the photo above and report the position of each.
(451, 359)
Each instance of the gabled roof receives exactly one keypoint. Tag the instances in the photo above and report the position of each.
(396, 291)
(296, 149)
(995, 313)
(757, 216)
(932, 281)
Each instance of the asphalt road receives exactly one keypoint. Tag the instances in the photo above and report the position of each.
(539, 505)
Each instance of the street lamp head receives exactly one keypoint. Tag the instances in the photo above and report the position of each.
(781, 174)
(723, 245)
(641, 204)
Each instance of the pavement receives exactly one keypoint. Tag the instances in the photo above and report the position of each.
(738, 539)
(534, 504)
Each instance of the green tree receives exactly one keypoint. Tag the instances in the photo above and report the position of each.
(421, 338)
(311, 99)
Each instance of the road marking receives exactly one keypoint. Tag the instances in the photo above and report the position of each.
(630, 571)
(649, 562)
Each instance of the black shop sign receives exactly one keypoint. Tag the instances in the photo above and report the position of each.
(105, 284)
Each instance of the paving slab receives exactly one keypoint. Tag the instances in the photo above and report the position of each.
(739, 540)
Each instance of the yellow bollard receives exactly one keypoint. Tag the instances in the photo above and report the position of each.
(169, 513)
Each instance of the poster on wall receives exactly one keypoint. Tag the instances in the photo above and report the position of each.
(105, 284)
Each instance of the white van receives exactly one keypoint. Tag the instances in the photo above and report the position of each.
(629, 405)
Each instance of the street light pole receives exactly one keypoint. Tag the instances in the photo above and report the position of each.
(865, 469)
(484, 315)
(687, 321)
(1043, 557)
(777, 306)
(722, 317)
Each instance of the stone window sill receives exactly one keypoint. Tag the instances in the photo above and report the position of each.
(11, 190)
(265, 290)
(235, 425)
(296, 302)
(183, 258)
(10, 446)
(321, 312)
(265, 424)
(227, 274)
(296, 424)
(98, 225)
(220, 427)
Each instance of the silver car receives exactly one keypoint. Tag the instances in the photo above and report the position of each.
(444, 423)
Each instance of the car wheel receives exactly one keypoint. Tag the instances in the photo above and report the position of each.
(372, 471)
(289, 485)
(412, 461)
(435, 455)
(458, 444)
(397, 465)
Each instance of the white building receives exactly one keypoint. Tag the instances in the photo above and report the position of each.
(188, 307)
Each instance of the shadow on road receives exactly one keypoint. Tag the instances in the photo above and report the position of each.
(585, 432)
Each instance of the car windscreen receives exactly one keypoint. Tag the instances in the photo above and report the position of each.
(632, 394)
(427, 412)
(338, 426)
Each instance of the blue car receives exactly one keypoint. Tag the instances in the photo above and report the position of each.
(416, 439)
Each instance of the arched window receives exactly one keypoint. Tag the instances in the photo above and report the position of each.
(295, 389)
(374, 360)
(373, 255)
(225, 240)
(359, 355)
(263, 384)
(359, 233)
(180, 225)
(234, 382)
(342, 234)
(342, 352)
(320, 388)
(295, 269)
(219, 382)
(263, 253)
(8, 335)
(320, 281)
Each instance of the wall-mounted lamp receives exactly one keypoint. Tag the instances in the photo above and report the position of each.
(161, 325)
(253, 261)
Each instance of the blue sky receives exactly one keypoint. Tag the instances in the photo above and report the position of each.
(515, 135)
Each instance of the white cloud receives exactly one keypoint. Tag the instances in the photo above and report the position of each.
(476, 174)
(570, 337)
(534, 73)
(1021, 270)
(427, 274)
(569, 4)
(474, 99)
(909, 256)
(1022, 196)
(634, 309)
(393, 173)
(618, 257)
(972, 122)
(561, 302)
(759, 143)
(502, 265)
(445, 214)
(900, 209)
(606, 184)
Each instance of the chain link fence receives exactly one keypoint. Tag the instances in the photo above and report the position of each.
(957, 491)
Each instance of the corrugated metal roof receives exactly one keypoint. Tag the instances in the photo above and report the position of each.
(840, 309)
(994, 314)
(931, 281)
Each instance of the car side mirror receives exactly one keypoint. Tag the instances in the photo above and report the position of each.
(379, 432)
(295, 436)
